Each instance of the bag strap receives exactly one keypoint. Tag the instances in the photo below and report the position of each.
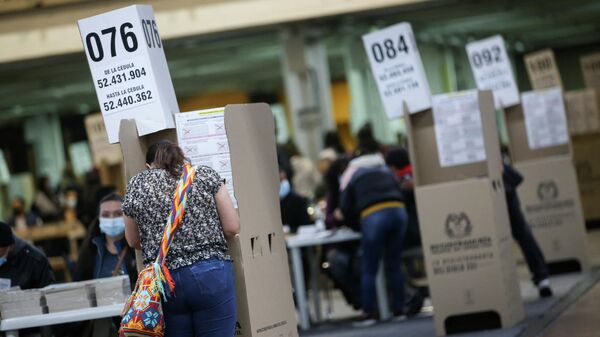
(115, 271)
(177, 211)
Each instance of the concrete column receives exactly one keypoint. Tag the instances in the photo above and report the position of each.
(45, 134)
(308, 88)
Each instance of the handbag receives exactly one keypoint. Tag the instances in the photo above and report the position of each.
(143, 314)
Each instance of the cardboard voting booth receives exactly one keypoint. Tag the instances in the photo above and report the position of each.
(583, 113)
(550, 201)
(463, 216)
(264, 294)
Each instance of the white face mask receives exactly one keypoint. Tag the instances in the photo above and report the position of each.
(113, 227)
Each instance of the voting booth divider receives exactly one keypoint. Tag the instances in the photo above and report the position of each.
(540, 150)
(463, 218)
(264, 294)
(583, 112)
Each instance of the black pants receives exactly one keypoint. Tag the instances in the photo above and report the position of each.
(522, 234)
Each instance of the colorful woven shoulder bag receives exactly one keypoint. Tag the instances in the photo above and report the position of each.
(142, 314)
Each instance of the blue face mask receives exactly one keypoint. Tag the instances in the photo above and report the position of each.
(113, 227)
(284, 188)
(3, 260)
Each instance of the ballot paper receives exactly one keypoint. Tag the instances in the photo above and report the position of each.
(68, 296)
(203, 139)
(18, 303)
(545, 118)
(458, 128)
(111, 290)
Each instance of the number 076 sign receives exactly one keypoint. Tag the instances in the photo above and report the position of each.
(398, 70)
(129, 69)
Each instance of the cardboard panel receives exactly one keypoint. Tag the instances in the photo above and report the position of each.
(586, 155)
(517, 137)
(550, 202)
(266, 278)
(583, 111)
(263, 286)
(468, 250)
(424, 153)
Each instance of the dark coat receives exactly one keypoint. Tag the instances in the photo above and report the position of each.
(91, 255)
(294, 211)
(368, 186)
(27, 267)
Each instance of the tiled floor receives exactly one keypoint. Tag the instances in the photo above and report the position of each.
(582, 319)
(539, 313)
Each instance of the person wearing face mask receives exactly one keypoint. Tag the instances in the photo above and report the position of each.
(294, 207)
(21, 219)
(21, 264)
(104, 252)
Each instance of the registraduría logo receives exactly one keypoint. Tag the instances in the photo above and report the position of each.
(458, 225)
(547, 190)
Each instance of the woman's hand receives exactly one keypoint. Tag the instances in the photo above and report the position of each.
(230, 220)
(132, 233)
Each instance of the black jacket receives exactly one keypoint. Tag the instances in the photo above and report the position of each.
(294, 211)
(27, 267)
(511, 179)
(367, 187)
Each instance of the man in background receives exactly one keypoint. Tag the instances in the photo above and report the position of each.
(21, 264)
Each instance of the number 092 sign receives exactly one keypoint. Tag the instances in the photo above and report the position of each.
(492, 70)
(398, 70)
(129, 69)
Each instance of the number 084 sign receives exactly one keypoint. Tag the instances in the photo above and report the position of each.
(398, 70)
(129, 69)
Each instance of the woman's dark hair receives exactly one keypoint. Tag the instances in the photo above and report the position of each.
(332, 140)
(166, 155)
(367, 144)
(397, 157)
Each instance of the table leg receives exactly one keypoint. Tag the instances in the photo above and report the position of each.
(314, 283)
(300, 291)
(382, 296)
(12, 333)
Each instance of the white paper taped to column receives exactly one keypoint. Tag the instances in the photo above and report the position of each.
(458, 128)
(398, 69)
(202, 137)
(492, 70)
(545, 118)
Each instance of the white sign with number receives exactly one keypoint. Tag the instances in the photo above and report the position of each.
(590, 65)
(492, 70)
(458, 128)
(129, 68)
(545, 118)
(398, 69)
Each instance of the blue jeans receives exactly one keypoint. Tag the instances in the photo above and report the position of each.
(382, 234)
(204, 304)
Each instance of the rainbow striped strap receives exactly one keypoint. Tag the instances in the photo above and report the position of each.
(177, 210)
(173, 223)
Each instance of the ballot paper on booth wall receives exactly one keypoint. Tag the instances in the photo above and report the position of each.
(203, 139)
(129, 69)
(458, 128)
(398, 69)
(492, 70)
(545, 118)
